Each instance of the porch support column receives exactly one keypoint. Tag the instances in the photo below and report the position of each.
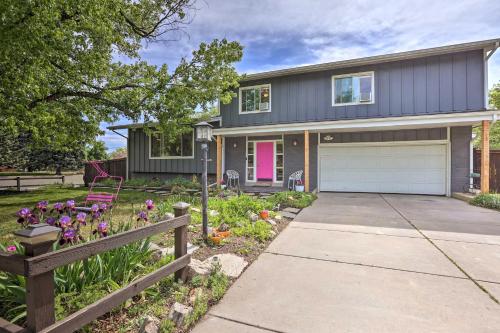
(219, 160)
(485, 157)
(306, 161)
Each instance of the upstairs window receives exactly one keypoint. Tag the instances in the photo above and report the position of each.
(353, 89)
(182, 147)
(255, 99)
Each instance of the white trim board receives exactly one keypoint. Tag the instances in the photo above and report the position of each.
(370, 124)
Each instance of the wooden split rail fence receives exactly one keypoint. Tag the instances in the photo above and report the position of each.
(19, 180)
(38, 268)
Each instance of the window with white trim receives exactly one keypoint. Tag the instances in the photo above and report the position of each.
(353, 89)
(182, 147)
(255, 99)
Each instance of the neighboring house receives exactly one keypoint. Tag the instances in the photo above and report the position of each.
(397, 123)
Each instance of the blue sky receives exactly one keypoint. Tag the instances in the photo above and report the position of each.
(285, 33)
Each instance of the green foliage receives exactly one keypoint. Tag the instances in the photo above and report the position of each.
(183, 182)
(494, 128)
(218, 282)
(61, 77)
(233, 211)
(167, 326)
(144, 182)
(96, 151)
(487, 200)
(12, 292)
(259, 230)
(293, 199)
(199, 281)
(118, 153)
(19, 151)
(199, 309)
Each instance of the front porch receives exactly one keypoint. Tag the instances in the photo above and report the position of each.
(272, 152)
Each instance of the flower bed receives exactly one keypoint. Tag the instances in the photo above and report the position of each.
(82, 283)
(487, 200)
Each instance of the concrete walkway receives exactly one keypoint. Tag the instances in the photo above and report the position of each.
(372, 263)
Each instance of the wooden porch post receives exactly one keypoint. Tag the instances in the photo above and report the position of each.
(306, 161)
(219, 159)
(485, 157)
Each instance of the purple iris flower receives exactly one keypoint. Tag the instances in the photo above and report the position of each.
(33, 219)
(50, 220)
(65, 221)
(42, 205)
(142, 215)
(24, 213)
(59, 206)
(94, 208)
(81, 218)
(70, 204)
(102, 228)
(69, 234)
(11, 248)
(103, 207)
(149, 204)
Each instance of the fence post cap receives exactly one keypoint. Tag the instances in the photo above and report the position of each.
(38, 233)
(181, 205)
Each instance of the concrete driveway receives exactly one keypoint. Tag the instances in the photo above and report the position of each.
(372, 263)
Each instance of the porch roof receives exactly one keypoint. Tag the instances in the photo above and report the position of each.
(369, 124)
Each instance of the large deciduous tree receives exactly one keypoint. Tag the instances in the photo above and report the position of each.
(60, 75)
(495, 128)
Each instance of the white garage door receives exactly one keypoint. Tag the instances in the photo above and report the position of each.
(417, 169)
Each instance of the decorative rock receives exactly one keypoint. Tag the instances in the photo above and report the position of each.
(160, 252)
(149, 325)
(194, 209)
(288, 215)
(167, 216)
(252, 216)
(223, 227)
(178, 313)
(199, 267)
(271, 222)
(213, 212)
(292, 210)
(273, 233)
(231, 265)
(278, 217)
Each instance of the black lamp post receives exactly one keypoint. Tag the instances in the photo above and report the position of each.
(204, 135)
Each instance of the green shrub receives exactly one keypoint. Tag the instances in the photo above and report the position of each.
(144, 182)
(233, 211)
(487, 200)
(167, 326)
(199, 309)
(217, 282)
(293, 199)
(259, 230)
(199, 281)
(183, 182)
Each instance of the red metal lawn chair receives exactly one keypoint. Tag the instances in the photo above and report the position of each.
(101, 197)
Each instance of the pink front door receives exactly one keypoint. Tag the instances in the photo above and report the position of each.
(265, 160)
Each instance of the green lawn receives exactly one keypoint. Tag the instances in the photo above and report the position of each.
(128, 203)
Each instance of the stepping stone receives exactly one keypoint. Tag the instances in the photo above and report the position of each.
(288, 215)
(292, 210)
(231, 264)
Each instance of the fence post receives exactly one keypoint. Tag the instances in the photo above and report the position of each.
(18, 183)
(62, 179)
(180, 209)
(38, 239)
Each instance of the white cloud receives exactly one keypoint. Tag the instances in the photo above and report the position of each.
(286, 33)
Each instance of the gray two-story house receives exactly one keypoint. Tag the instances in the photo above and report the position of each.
(396, 123)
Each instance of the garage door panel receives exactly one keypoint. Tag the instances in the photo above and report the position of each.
(415, 169)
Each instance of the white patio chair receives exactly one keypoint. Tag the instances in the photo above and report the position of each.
(233, 177)
(294, 177)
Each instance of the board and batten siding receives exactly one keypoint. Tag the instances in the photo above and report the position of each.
(139, 161)
(432, 85)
